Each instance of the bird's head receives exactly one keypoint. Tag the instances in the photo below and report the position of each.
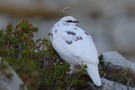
(68, 20)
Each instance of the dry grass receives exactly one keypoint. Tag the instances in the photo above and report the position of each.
(117, 74)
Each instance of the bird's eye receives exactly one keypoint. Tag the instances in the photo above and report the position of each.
(70, 21)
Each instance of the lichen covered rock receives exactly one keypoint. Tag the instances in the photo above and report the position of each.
(116, 59)
(9, 80)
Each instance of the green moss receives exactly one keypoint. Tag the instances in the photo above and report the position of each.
(3, 67)
(9, 75)
(101, 57)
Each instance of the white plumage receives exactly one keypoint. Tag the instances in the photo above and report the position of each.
(75, 46)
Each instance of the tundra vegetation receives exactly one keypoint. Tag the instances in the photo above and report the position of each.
(40, 67)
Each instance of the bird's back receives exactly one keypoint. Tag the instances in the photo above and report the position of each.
(73, 42)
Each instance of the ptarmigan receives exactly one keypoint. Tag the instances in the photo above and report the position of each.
(75, 46)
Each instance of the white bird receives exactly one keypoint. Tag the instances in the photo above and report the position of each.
(75, 46)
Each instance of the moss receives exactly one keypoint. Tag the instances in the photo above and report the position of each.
(3, 66)
(9, 75)
(3, 52)
(100, 57)
(22, 86)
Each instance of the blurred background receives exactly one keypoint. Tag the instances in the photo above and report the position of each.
(111, 23)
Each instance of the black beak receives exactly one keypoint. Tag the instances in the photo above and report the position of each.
(75, 21)
(70, 21)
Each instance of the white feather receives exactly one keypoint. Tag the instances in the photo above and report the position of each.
(94, 74)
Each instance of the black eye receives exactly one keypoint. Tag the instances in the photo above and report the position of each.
(70, 21)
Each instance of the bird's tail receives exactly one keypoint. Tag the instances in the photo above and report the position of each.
(94, 74)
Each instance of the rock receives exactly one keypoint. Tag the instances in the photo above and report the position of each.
(118, 60)
(110, 85)
(9, 80)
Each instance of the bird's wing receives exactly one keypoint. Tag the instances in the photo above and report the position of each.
(78, 43)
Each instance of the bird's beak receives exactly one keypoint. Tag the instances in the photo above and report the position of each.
(76, 21)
